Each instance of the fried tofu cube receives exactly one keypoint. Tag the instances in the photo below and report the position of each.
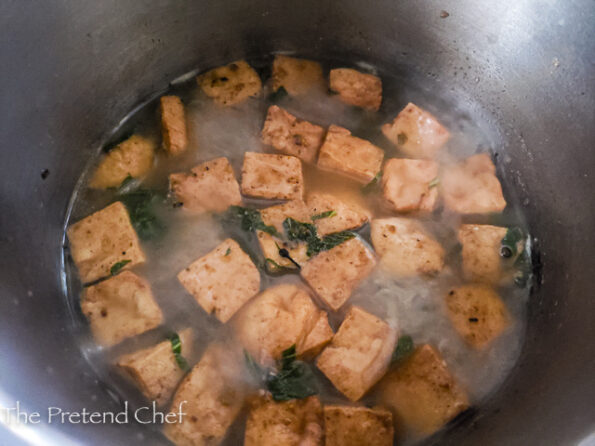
(131, 158)
(348, 155)
(230, 84)
(332, 214)
(272, 176)
(405, 248)
(296, 76)
(223, 280)
(291, 135)
(481, 252)
(155, 369)
(477, 313)
(356, 88)
(408, 185)
(211, 396)
(416, 132)
(335, 273)
(270, 245)
(286, 423)
(422, 393)
(278, 318)
(357, 426)
(103, 239)
(120, 307)
(359, 354)
(209, 187)
(472, 187)
(173, 124)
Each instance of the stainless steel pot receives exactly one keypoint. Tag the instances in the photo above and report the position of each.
(71, 70)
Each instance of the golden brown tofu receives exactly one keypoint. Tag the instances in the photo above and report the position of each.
(356, 88)
(223, 280)
(155, 369)
(133, 157)
(422, 393)
(103, 239)
(477, 313)
(348, 155)
(287, 423)
(230, 84)
(359, 354)
(120, 307)
(211, 396)
(272, 176)
(405, 248)
(270, 245)
(358, 426)
(407, 185)
(210, 186)
(291, 135)
(278, 318)
(296, 76)
(472, 187)
(335, 273)
(481, 252)
(344, 215)
(416, 132)
(173, 125)
(316, 338)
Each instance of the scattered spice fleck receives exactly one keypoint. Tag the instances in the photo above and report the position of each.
(45, 173)
(473, 319)
(444, 14)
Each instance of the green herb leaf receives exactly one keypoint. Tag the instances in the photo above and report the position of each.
(228, 252)
(435, 182)
(401, 139)
(524, 269)
(306, 232)
(403, 349)
(257, 372)
(298, 231)
(276, 96)
(250, 219)
(293, 380)
(275, 264)
(508, 245)
(116, 267)
(326, 214)
(176, 347)
(126, 182)
(140, 208)
(372, 185)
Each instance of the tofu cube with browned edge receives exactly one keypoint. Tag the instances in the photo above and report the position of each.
(272, 176)
(416, 132)
(481, 252)
(422, 393)
(405, 248)
(270, 244)
(131, 158)
(477, 313)
(230, 84)
(209, 187)
(333, 214)
(472, 187)
(291, 135)
(350, 156)
(335, 273)
(285, 423)
(102, 240)
(357, 88)
(359, 354)
(357, 426)
(120, 307)
(296, 76)
(222, 281)
(155, 369)
(210, 396)
(173, 125)
(409, 185)
(278, 318)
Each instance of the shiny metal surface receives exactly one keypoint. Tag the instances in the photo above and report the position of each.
(71, 70)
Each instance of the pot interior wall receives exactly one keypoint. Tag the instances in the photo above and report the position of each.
(71, 71)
